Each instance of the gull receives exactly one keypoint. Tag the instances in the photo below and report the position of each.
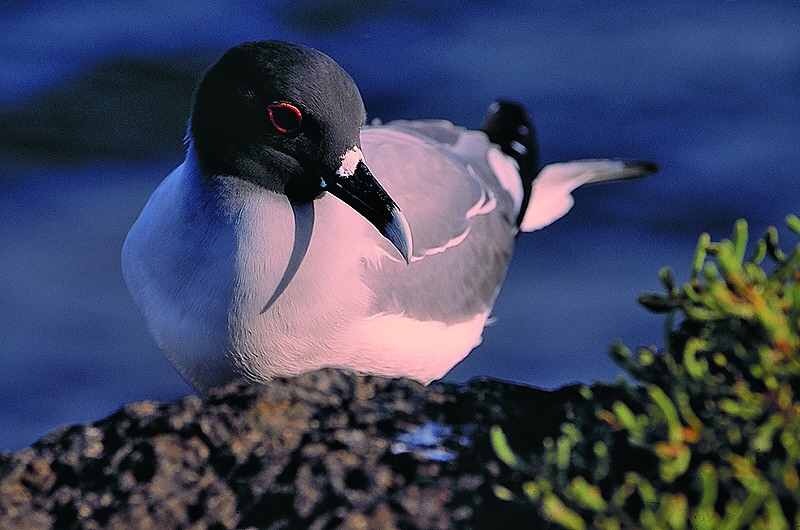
(293, 237)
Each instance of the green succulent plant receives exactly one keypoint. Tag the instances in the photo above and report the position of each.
(709, 438)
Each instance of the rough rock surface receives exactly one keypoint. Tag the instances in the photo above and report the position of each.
(329, 449)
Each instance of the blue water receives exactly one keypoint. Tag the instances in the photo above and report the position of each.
(709, 90)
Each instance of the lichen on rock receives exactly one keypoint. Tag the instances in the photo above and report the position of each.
(316, 451)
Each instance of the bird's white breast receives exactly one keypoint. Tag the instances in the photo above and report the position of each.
(203, 266)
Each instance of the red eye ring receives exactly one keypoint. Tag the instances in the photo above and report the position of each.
(285, 117)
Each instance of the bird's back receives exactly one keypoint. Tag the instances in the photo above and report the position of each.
(449, 183)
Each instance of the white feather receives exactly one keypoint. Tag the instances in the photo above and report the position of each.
(551, 197)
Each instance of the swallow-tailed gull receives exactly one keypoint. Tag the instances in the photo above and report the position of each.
(272, 249)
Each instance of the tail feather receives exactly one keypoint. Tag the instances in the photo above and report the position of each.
(551, 196)
(508, 126)
(547, 194)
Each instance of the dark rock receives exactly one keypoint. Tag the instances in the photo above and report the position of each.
(329, 449)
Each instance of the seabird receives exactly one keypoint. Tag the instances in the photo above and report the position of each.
(293, 237)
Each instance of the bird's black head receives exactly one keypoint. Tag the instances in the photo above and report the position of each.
(288, 118)
(277, 114)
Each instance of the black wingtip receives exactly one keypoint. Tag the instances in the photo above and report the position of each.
(643, 166)
(508, 126)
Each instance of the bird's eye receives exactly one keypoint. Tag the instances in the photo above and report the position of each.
(286, 118)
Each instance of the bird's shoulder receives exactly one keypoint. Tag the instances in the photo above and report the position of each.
(443, 177)
(461, 217)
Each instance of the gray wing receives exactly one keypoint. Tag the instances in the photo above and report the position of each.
(462, 220)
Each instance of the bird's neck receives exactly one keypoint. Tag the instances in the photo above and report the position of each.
(192, 165)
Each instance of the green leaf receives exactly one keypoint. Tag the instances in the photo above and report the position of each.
(501, 447)
(558, 512)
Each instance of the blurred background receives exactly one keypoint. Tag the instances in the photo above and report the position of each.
(94, 98)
